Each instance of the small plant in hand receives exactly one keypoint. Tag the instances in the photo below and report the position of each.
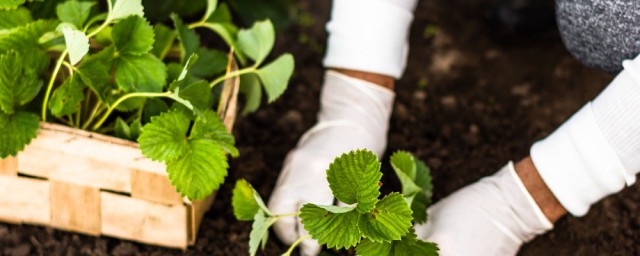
(113, 72)
(371, 225)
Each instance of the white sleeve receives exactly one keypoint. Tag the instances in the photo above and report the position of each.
(370, 35)
(597, 151)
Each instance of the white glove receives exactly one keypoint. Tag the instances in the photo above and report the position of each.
(354, 114)
(493, 216)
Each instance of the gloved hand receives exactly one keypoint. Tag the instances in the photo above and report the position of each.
(354, 114)
(493, 216)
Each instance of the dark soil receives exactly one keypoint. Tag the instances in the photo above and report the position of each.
(470, 101)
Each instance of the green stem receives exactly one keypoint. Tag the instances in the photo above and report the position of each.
(232, 74)
(286, 215)
(126, 97)
(50, 85)
(96, 110)
(69, 67)
(226, 37)
(295, 244)
(105, 23)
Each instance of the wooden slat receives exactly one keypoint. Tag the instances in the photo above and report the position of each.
(24, 200)
(154, 188)
(75, 207)
(142, 221)
(84, 158)
(9, 166)
(196, 212)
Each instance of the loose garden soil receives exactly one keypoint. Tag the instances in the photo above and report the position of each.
(470, 100)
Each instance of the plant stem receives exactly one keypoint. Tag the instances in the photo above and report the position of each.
(69, 67)
(105, 23)
(286, 215)
(126, 97)
(232, 74)
(50, 85)
(96, 109)
(293, 246)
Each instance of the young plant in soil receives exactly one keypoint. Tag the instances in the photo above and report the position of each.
(371, 225)
(115, 73)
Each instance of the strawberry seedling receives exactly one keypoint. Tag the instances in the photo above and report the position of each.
(371, 225)
(113, 72)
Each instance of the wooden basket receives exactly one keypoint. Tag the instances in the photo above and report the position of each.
(94, 184)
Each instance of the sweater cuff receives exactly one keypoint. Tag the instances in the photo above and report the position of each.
(369, 35)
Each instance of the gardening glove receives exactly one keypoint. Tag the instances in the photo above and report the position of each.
(493, 216)
(354, 114)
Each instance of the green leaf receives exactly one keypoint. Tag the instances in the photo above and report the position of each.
(257, 41)
(198, 94)
(336, 230)
(422, 200)
(189, 39)
(227, 31)
(275, 76)
(10, 4)
(124, 8)
(200, 170)
(95, 72)
(77, 44)
(16, 131)
(389, 220)
(404, 165)
(221, 15)
(145, 73)
(153, 107)
(419, 207)
(136, 129)
(122, 129)
(165, 138)
(415, 247)
(74, 12)
(18, 84)
(133, 35)
(211, 128)
(250, 87)
(369, 248)
(24, 40)
(163, 41)
(354, 177)
(66, 99)
(259, 231)
(246, 201)
(211, 62)
(14, 18)
(211, 7)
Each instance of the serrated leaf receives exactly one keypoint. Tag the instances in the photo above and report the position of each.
(77, 44)
(250, 87)
(136, 129)
(145, 73)
(66, 99)
(404, 162)
(211, 62)
(189, 39)
(389, 220)
(336, 230)
(211, 128)
(369, 248)
(10, 4)
(418, 247)
(257, 41)
(198, 94)
(153, 107)
(18, 83)
(124, 8)
(423, 177)
(419, 207)
(354, 177)
(163, 41)
(408, 245)
(14, 18)
(259, 231)
(246, 201)
(133, 35)
(211, 7)
(24, 40)
(200, 171)
(275, 76)
(165, 138)
(221, 15)
(16, 131)
(95, 72)
(74, 12)
(422, 200)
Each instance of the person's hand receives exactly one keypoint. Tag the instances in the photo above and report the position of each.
(493, 216)
(354, 114)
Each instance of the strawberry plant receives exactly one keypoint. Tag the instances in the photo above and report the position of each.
(371, 225)
(113, 72)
